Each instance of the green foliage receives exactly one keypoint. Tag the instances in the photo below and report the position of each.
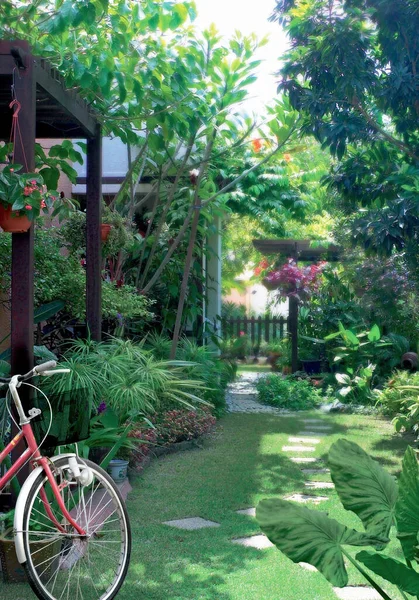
(351, 71)
(204, 365)
(127, 377)
(287, 393)
(365, 488)
(320, 538)
(400, 398)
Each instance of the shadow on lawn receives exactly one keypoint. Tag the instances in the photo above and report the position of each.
(243, 465)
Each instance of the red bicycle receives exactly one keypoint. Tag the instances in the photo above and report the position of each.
(71, 528)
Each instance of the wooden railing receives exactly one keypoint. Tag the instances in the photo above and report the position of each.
(258, 329)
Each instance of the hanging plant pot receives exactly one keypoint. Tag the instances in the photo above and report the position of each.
(105, 230)
(12, 222)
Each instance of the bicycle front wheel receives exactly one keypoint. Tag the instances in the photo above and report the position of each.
(63, 565)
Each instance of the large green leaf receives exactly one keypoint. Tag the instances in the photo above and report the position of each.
(364, 487)
(407, 513)
(46, 311)
(392, 570)
(374, 334)
(310, 536)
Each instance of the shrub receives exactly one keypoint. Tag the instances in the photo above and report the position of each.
(400, 398)
(177, 426)
(287, 393)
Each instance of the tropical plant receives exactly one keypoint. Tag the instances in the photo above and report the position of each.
(127, 377)
(287, 393)
(400, 399)
(381, 503)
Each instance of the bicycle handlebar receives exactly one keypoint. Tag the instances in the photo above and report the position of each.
(44, 369)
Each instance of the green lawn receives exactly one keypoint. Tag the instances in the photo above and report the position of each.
(262, 368)
(241, 464)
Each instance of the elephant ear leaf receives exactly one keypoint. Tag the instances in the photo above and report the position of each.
(392, 570)
(407, 514)
(310, 536)
(364, 487)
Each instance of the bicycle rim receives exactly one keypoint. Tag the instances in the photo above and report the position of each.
(62, 565)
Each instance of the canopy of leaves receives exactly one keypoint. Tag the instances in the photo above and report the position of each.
(352, 71)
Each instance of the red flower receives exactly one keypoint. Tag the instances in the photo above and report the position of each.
(257, 271)
(28, 207)
(257, 145)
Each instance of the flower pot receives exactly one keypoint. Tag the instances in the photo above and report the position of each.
(12, 222)
(272, 359)
(105, 230)
(12, 570)
(117, 469)
(312, 367)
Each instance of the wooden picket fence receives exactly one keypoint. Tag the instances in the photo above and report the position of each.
(257, 328)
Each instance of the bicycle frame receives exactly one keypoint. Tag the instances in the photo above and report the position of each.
(34, 457)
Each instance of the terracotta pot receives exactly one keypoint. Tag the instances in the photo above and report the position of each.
(12, 570)
(12, 222)
(105, 230)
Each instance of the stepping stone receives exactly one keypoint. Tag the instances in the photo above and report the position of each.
(307, 566)
(191, 523)
(353, 592)
(303, 498)
(298, 449)
(321, 427)
(303, 440)
(312, 420)
(314, 471)
(255, 541)
(304, 460)
(319, 485)
(251, 512)
(312, 433)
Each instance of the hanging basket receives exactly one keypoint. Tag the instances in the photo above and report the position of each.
(12, 222)
(105, 230)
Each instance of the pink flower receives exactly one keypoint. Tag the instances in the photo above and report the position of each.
(27, 190)
(28, 207)
(242, 333)
(43, 205)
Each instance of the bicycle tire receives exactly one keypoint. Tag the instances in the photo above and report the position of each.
(71, 554)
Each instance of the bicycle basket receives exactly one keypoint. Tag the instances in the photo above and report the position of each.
(71, 413)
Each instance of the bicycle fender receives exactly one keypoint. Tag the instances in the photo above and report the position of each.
(20, 508)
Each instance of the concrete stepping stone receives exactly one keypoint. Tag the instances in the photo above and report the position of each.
(251, 512)
(312, 433)
(312, 420)
(191, 523)
(303, 440)
(353, 592)
(307, 566)
(315, 471)
(303, 498)
(298, 449)
(303, 460)
(319, 485)
(255, 541)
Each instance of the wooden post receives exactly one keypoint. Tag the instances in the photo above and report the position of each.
(293, 331)
(93, 241)
(23, 243)
(22, 294)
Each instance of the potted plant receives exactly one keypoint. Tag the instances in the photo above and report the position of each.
(23, 196)
(105, 230)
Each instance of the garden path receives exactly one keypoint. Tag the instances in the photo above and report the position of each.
(242, 398)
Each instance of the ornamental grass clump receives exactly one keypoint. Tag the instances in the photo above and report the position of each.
(127, 377)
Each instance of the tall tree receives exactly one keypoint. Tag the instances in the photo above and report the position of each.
(352, 71)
